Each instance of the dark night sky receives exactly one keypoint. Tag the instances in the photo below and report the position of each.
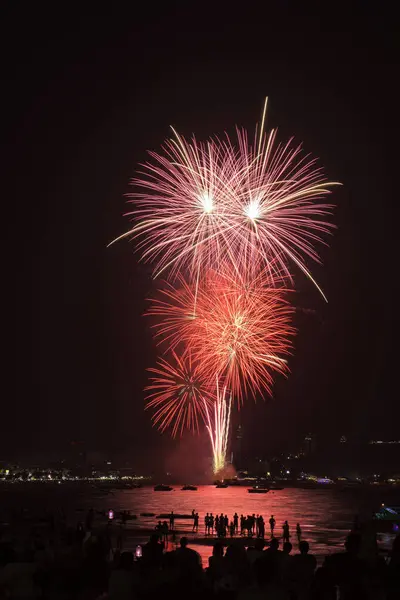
(84, 97)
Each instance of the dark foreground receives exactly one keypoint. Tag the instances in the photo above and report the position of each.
(53, 560)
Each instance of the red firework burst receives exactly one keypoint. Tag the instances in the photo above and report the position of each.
(240, 332)
(178, 394)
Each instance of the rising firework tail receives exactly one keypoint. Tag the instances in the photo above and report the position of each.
(218, 426)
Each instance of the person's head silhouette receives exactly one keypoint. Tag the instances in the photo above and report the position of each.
(274, 544)
(287, 547)
(304, 547)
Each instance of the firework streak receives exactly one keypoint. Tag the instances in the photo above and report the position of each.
(224, 222)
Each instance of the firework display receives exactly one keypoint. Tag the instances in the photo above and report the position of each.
(178, 393)
(224, 222)
(218, 429)
(240, 332)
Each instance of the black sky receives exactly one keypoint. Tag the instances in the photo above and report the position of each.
(84, 97)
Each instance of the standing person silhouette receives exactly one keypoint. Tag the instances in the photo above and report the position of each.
(286, 532)
(298, 532)
(196, 522)
(236, 522)
(272, 525)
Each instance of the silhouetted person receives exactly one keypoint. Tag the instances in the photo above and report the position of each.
(287, 548)
(172, 520)
(196, 522)
(236, 522)
(298, 532)
(232, 529)
(267, 583)
(207, 524)
(261, 527)
(347, 570)
(256, 551)
(242, 524)
(272, 525)
(216, 562)
(152, 552)
(286, 532)
(121, 582)
(236, 565)
(286, 562)
(271, 559)
(222, 525)
(188, 561)
(164, 531)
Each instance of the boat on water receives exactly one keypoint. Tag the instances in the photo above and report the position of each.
(388, 513)
(275, 488)
(258, 490)
(189, 488)
(387, 519)
(221, 484)
(176, 516)
(162, 488)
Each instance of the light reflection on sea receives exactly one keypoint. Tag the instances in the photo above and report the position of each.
(325, 515)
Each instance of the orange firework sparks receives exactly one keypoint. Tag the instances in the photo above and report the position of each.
(240, 332)
(178, 394)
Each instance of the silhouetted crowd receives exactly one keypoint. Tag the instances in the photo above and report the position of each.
(250, 526)
(81, 563)
(260, 571)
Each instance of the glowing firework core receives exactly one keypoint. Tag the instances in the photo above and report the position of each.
(207, 203)
(252, 210)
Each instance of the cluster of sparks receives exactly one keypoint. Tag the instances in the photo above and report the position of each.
(224, 223)
(239, 332)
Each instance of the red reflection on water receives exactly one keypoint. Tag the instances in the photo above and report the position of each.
(325, 516)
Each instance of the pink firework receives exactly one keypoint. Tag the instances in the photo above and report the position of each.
(203, 202)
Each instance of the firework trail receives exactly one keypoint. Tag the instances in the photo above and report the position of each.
(178, 394)
(218, 429)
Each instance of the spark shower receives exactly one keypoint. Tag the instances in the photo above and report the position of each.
(224, 223)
